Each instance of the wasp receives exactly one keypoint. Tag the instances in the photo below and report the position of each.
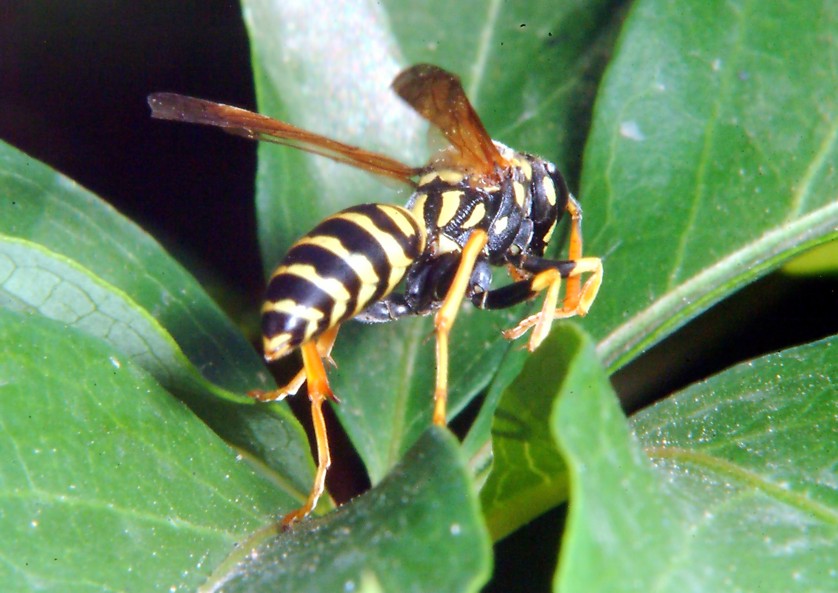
(475, 206)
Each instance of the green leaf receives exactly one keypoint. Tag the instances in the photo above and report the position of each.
(529, 476)
(821, 260)
(67, 255)
(744, 461)
(622, 528)
(710, 160)
(36, 280)
(49, 210)
(108, 482)
(639, 175)
(741, 495)
(527, 86)
(419, 530)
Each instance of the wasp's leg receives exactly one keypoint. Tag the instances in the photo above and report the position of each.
(447, 313)
(324, 348)
(574, 251)
(318, 392)
(505, 296)
(548, 277)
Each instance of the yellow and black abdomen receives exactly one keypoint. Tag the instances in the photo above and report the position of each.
(349, 261)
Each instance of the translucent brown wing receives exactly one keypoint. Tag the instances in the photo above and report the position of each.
(252, 125)
(438, 96)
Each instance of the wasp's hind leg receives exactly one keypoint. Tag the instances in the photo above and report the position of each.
(313, 374)
(324, 348)
(318, 392)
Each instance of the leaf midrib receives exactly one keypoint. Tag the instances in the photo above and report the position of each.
(729, 469)
(704, 288)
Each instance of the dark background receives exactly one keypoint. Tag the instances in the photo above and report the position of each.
(73, 83)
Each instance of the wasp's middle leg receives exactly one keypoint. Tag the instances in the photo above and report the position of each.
(447, 313)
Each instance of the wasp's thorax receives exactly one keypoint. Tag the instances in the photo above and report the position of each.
(518, 208)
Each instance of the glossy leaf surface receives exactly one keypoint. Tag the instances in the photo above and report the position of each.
(419, 530)
(738, 496)
(109, 482)
(728, 484)
(711, 158)
(67, 256)
(52, 212)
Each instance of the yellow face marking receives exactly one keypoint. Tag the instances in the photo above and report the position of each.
(475, 217)
(500, 224)
(519, 193)
(549, 190)
(450, 205)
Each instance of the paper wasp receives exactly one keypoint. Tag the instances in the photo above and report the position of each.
(475, 205)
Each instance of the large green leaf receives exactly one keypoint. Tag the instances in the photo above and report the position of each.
(419, 530)
(730, 105)
(693, 101)
(333, 75)
(731, 485)
(740, 494)
(711, 158)
(529, 476)
(52, 212)
(108, 482)
(68, 256)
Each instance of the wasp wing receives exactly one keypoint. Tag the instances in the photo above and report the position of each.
(255, 126)
(438, 96)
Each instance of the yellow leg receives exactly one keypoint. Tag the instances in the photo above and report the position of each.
(573, 304)
(577, 297)
(314, 374)
(574, 251)
(324, 347)
(318, 392)
(447, 313)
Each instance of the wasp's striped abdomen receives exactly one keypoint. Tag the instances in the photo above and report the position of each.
(349, 261)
